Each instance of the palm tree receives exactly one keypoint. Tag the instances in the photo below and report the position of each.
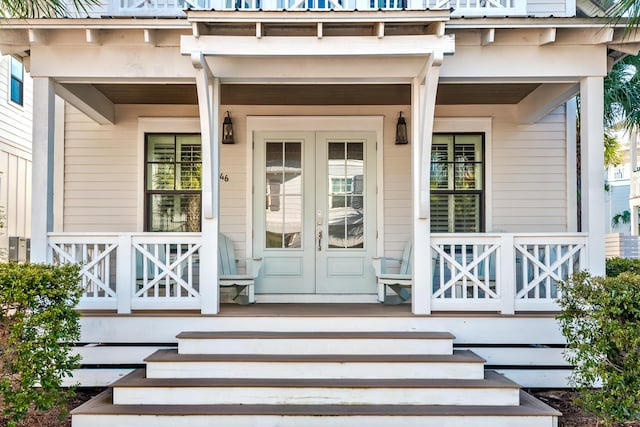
(629, 10)
(622, 95)
(44, 8)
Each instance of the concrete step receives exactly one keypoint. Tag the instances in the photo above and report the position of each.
(169, 364)
(202, 342)
(101, 412)
(136, 389)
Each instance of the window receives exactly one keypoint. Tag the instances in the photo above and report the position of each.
(173, 170)
(17, 81)
(457, 183)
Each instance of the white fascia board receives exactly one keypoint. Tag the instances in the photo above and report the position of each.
(323, 69)
(313, 47)
(116, 62)
(552, 62)
(92, 23)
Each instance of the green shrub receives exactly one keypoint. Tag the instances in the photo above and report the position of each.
(615, 266)
(37, 325)
(600, 319)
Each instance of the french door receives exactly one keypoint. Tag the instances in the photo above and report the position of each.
(314, 213)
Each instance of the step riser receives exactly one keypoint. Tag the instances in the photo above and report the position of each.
(308, 370)
(310, 421)
(315, 346)
(315, 396)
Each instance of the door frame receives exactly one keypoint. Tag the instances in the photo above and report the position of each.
(317, 124)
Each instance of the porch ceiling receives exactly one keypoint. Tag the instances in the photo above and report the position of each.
(309, 94)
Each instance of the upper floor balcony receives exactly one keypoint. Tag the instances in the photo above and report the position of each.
(175, 8)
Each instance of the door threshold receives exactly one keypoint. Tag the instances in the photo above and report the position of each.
(317, 298)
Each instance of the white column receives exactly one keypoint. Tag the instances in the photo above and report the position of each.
(592, 161)
(422, 111)
(42, 166)
(421, 289)
(209, 105)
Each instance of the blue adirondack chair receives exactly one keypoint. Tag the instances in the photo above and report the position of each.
(400, 282)
(229, 276)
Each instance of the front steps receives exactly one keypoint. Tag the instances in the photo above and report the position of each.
(242, 379)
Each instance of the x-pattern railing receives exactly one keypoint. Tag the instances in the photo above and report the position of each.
(543, 266)
(469, 269)
(95, 260)
(165, 270)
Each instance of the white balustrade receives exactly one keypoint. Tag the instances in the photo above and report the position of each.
(97, 255)
(542, 262)
(502, 272)
(464, 272)
(468, 8)
(166, 272)
(471, 272)
(124, 271)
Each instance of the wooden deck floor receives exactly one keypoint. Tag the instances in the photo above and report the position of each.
(316, 310)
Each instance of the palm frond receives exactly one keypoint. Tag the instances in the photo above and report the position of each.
(44, 8)
(627, 11)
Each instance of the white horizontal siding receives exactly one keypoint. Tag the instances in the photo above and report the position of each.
(545, 8)
(529, 175)
(101, 167)
(15, 120)
(15, 159)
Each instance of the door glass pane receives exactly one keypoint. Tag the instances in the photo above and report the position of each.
(292, 222)
(346, 187)
(283, 195)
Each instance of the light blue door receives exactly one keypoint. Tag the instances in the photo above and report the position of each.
(315, 212)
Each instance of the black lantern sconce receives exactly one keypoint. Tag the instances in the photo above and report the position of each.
(227, 130)
(401, 131)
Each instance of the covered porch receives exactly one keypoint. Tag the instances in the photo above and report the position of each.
(488, 84)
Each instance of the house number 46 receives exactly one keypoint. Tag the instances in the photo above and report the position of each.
(224, 177)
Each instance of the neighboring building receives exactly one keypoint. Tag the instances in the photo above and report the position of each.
(618, 180)
(15, 158)
(133, 181)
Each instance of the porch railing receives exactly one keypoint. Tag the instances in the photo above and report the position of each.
(468, 8)
(471, 272)
(503, 272)
(128, 271)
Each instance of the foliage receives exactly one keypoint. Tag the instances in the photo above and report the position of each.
(622, 94)
(617, 266)
(37, 325)
(600, 319)
(629, 10)
(623, 217)
(44, 8)
(612, 154)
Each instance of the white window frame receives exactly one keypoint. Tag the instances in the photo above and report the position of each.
(474, 125)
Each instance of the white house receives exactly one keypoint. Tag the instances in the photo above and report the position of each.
(492, 192)
(15, 159)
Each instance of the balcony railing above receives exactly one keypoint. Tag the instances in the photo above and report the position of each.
(467, 8)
